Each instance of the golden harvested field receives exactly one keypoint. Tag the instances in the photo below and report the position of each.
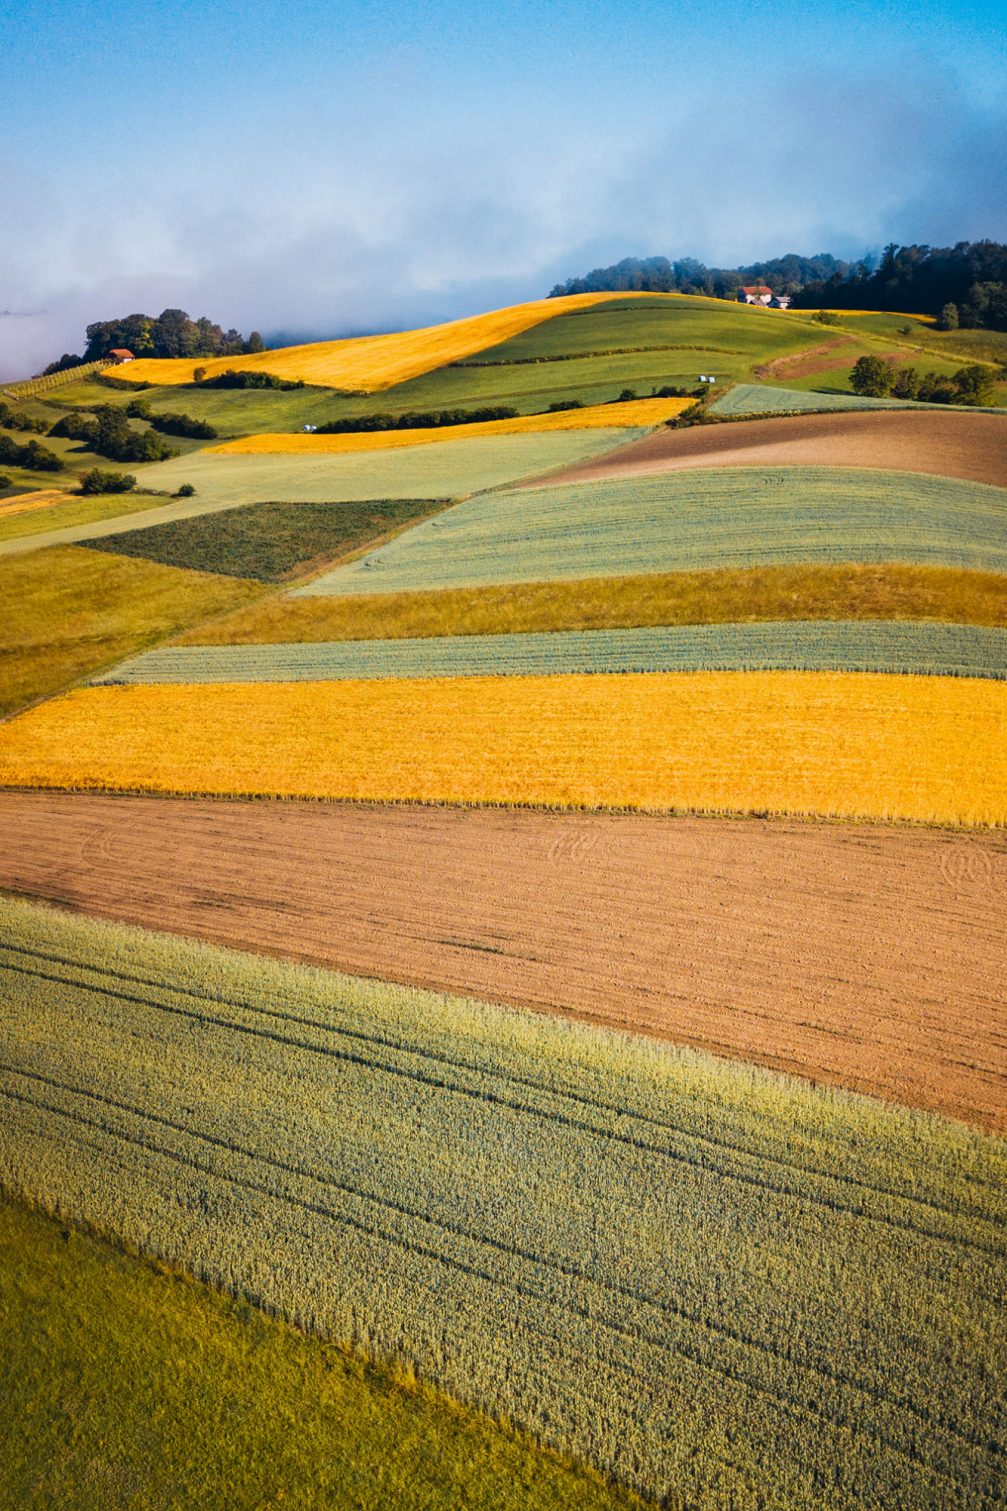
(893, 590)
(835, 744)
(866, 957)
(631, 414)
(368, 363)
(40, 498)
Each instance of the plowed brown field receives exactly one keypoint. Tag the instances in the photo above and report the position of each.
(862, 956)
(958, 444)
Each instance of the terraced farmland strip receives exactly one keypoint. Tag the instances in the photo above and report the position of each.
(940, 650)
(610, 1242)
(890, 591)
(57, 516)
(141, 1361)
(835, 744)
(956, 443)
(759, 399)
(635, 414)
(867, 957)
(714, 518)
(268, 542)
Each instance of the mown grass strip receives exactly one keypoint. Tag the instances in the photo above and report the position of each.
(690, 521)
(58, 514)
(892, 590)
(120, 1374)
(269, 542)
(937, 650)
(698, 1276)
(835, 744)
(68, 612)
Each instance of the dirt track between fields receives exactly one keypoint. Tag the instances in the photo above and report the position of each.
(863, 956)
(958, 444)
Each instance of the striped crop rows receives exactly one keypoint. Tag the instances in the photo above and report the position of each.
(864, 645)
(694, 1275)
(730, 517)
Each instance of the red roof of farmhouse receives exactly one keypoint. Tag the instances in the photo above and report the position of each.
(756, 288)
(120, 351)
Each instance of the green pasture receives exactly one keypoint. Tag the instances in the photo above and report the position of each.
(75, 511)
(939, 650)
(689, 521)
(267, 542)
(710, 1282)
(128, 1384)
(70, 612)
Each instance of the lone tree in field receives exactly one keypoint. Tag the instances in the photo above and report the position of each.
(872, 377)
(947, 320)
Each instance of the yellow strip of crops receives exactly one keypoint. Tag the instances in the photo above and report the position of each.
(40, 498)
(634, 412)
(365, 364)
(872, 746)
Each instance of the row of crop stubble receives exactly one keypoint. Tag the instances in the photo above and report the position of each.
(695, 1275)
(846, 745)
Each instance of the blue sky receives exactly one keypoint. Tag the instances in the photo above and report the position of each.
(330, 167)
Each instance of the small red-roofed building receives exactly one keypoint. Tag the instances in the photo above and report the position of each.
(120, 354)
(755, 293)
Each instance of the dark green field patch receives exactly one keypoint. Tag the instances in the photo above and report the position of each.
(268, 542)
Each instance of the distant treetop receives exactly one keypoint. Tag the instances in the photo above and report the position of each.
(172, 333)
(966, 282)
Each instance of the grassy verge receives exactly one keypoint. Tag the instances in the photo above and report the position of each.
(72, 511)
(127, 1385)
(889, 591)
(69, 612)
(723, 1286)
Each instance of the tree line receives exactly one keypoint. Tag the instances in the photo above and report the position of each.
(961, 285)
(172, 333)
(658, 275)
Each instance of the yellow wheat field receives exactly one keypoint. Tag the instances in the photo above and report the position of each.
(633, 413)
(367, 363)
(40, 498)
(847, 745)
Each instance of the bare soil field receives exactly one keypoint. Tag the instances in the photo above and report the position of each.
(972, 446)
(862, 955)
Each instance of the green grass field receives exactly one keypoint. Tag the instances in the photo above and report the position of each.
(717, 1284)
(442, 470)
(268, 542)
(940, 650)
(69, 612)
(128, 1384)
(690, 521)
(78, 511)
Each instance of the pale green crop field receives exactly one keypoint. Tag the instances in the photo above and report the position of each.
(447, 469)
(685, 521)
(942, 650)
(711, 1282)
(746, 400)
